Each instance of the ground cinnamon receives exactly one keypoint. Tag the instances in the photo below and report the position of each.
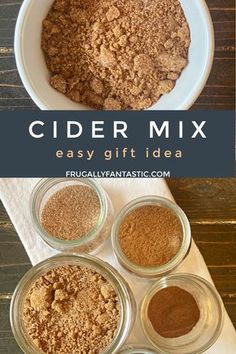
(173, 312)
(150, 235)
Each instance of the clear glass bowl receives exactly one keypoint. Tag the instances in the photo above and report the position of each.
(127, 301)
(209, 326)
(151, 272)
(134, 349)
(45, 188)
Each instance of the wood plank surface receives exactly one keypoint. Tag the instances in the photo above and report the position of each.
(210, 205)
(219, 92)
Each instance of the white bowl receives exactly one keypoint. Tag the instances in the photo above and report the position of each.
(35, 75)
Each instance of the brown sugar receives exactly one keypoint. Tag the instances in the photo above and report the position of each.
(71, 212)
(71, 309)
(173, 312)
(150, 235)
(115, 54)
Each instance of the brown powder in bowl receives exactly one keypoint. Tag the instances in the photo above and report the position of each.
(71, 212)
(115, 54)
(173, 312)
(150, 235)
(71, 309)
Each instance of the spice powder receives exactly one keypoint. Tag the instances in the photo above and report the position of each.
(115, 54)
(71, 309)
(71, 212)
(150, 235)
(173, 312)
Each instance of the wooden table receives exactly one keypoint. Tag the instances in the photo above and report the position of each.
(211, 207)
(218, 94)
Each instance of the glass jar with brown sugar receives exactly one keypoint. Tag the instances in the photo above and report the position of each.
(72, 304)
(71, 214)
(182, 314)
(151, 236)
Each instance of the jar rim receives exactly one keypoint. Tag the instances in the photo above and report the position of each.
(42, 187)
(186, 277)
(136, 349)
(154, 271)
(119, 284)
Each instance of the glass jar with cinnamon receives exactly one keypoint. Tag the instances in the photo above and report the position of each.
(182, 314)
(151, 236)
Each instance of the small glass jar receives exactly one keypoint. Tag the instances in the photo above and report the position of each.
(45, 188)
(209, 326)
(158, 271)
(134, 349)
(127, 301)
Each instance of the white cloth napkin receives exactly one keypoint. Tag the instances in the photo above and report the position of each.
(15, 194)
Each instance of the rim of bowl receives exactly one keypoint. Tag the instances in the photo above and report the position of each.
(43, 106)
